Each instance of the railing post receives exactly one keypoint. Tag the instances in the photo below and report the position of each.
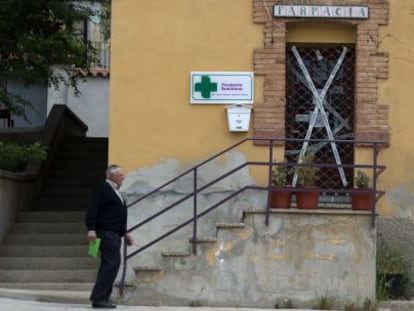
(269, 182)
(194, 242)
(374, 185)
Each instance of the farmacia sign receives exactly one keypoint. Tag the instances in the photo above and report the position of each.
(322, 11)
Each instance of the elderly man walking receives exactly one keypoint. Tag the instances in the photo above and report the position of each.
(106, 218)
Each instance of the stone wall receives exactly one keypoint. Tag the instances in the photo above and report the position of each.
(299, 259)
(17, 192)
(302, 256)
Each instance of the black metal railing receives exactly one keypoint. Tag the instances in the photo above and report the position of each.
(270, 163)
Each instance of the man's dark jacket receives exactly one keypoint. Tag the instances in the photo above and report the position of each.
(106, 211)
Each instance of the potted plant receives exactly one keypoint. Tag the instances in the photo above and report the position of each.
(15, 157)
(362, 200)
(280, 198)
(307, 176)
(391, 268)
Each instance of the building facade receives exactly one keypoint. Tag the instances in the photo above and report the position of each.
(356, 55)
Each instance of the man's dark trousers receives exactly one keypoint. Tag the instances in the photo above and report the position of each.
(110, 262)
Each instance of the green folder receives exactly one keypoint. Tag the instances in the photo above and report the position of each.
(94, 247)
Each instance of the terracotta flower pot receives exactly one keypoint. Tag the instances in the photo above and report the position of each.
(307, 199)
(362, 201)
(280, 199)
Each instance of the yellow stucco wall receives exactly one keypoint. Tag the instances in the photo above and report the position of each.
(156, 44)
(397, 39)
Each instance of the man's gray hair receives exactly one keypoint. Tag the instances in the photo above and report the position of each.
(111, 169)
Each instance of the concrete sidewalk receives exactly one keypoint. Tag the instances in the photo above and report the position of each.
(7, 304)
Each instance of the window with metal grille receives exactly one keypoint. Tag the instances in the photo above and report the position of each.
(311, 69)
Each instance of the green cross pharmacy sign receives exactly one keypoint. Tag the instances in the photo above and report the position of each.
(221, 87)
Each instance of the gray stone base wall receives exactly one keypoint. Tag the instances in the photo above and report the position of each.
(16, 194)
(300, 258)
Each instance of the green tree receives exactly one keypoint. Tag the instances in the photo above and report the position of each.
(34, 36)
(106, 18)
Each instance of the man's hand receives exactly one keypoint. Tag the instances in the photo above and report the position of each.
(91, 235)
(128, 239)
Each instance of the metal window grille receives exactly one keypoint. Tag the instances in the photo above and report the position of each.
(337, 105)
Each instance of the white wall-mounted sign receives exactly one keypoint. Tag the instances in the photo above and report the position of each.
(221, 87)
(325, 11)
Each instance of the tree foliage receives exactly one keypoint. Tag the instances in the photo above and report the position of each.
(36, 35)
(15, 157)
(106, 18)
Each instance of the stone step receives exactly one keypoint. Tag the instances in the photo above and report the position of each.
(69, 191)
(46, 239)
(85, 139)
(47, 250)
(396, 305)
(48, 227)
(61, 296)
(74, 216)
(70, 182)
(64, 207)
(180, 254)
(226, 225)
(63, 203)
(146, 269)
(83, 155)
(84, 143)
(49, 263)
(80, 164)
(87, 146)
(80, 174)
(49, 276)
(43, 251)
(46, 286)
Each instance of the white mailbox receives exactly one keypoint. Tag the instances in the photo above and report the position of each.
(238, 117)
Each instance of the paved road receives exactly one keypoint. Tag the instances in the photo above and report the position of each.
(7, 304)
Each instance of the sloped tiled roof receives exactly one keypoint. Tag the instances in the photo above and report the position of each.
(94, 72)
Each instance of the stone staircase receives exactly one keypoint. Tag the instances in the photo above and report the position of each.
(44, 256)
(46, 249)
(78, 165)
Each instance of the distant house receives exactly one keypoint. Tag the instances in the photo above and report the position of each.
(92, 105)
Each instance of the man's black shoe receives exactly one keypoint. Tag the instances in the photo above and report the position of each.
(103, 304)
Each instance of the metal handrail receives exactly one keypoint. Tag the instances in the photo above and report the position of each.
(377, 170)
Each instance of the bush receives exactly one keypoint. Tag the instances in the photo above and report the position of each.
(14, 157)
(361, 179)
(280, 174)
(390, 263)
(307, 175)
